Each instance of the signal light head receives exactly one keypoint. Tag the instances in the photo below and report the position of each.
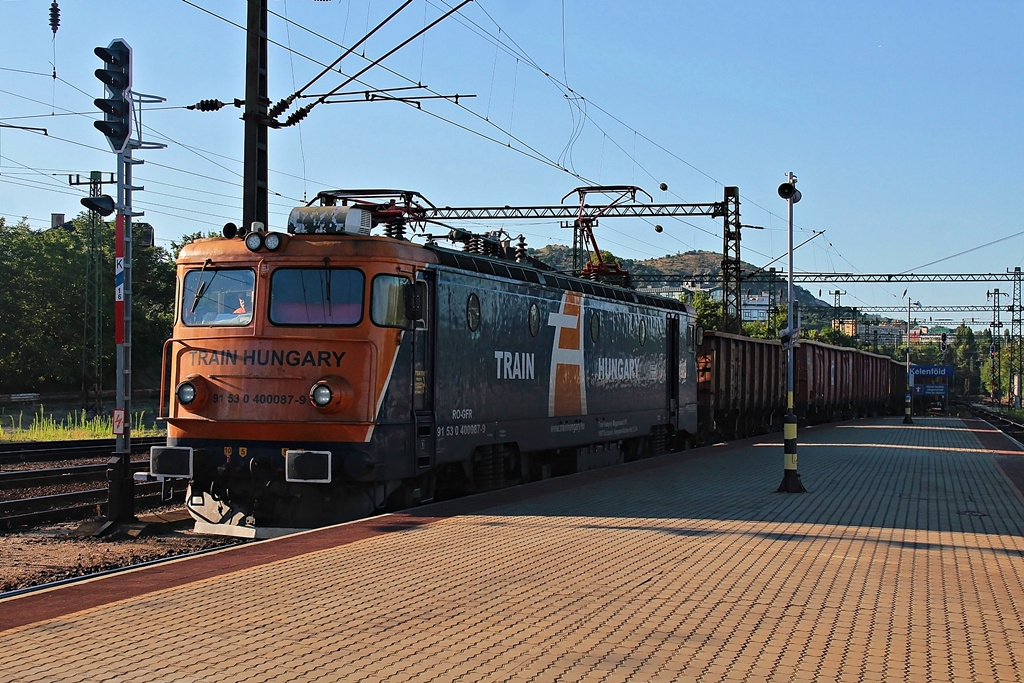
(117, 108)
(116, 76)
(115, 130)
(103, 204)
(115, 80)
(116, 54)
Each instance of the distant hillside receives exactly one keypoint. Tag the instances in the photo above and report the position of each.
(675, 265)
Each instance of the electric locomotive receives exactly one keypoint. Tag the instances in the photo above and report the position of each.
(325, 373)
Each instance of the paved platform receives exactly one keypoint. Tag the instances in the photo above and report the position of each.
(903, 562)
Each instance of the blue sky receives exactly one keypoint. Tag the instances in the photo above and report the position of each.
(902, 120)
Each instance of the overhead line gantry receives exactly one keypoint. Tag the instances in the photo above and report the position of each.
(805, 277)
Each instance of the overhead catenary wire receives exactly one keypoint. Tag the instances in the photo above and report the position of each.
(304, 111)
(283, 104)
(519, 54)
(577, 104)
(565, 161)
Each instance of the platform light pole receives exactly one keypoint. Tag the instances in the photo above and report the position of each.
(790, 477)
(908, 406)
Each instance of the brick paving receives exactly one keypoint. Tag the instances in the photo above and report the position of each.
(903, 562)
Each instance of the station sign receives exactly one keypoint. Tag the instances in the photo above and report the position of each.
(931, 370)
(930, 390)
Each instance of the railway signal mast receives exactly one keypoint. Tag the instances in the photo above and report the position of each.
(122, 126)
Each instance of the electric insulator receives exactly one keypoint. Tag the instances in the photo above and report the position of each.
(207, 105)
(54, 17)
(395, 230)
(521, 254)
(280, 107)
(297, 116)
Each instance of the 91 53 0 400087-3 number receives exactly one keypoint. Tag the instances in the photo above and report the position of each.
(259, 399)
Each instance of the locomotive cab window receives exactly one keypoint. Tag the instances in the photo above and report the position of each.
(217, 297)
(316, 296)
(387, 301)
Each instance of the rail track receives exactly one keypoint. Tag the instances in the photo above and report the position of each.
(1011, 428)
(66, 490)
(30, 452)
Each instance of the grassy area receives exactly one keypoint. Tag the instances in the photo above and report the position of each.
(43, 425)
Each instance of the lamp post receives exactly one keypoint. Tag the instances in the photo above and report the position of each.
(790, 477)
(907, 409)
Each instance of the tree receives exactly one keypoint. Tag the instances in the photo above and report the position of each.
(833, 336)
(42, 307)
(709, 310)
(40, 304)
(965, 359)
(176, 247)
(152, 310)
(769, 329)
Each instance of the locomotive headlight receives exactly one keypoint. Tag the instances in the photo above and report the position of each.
(186, 393)
(273, 241)
(254, 241)
(331, 394)
(321, 395)
(192, 393)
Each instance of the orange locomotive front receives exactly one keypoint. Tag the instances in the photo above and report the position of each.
(283, 347)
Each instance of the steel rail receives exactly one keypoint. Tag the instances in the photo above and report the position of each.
(54, 476)
(38, 451)
(72, 505)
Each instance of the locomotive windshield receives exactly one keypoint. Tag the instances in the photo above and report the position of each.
(316, 296)
(218, 296)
